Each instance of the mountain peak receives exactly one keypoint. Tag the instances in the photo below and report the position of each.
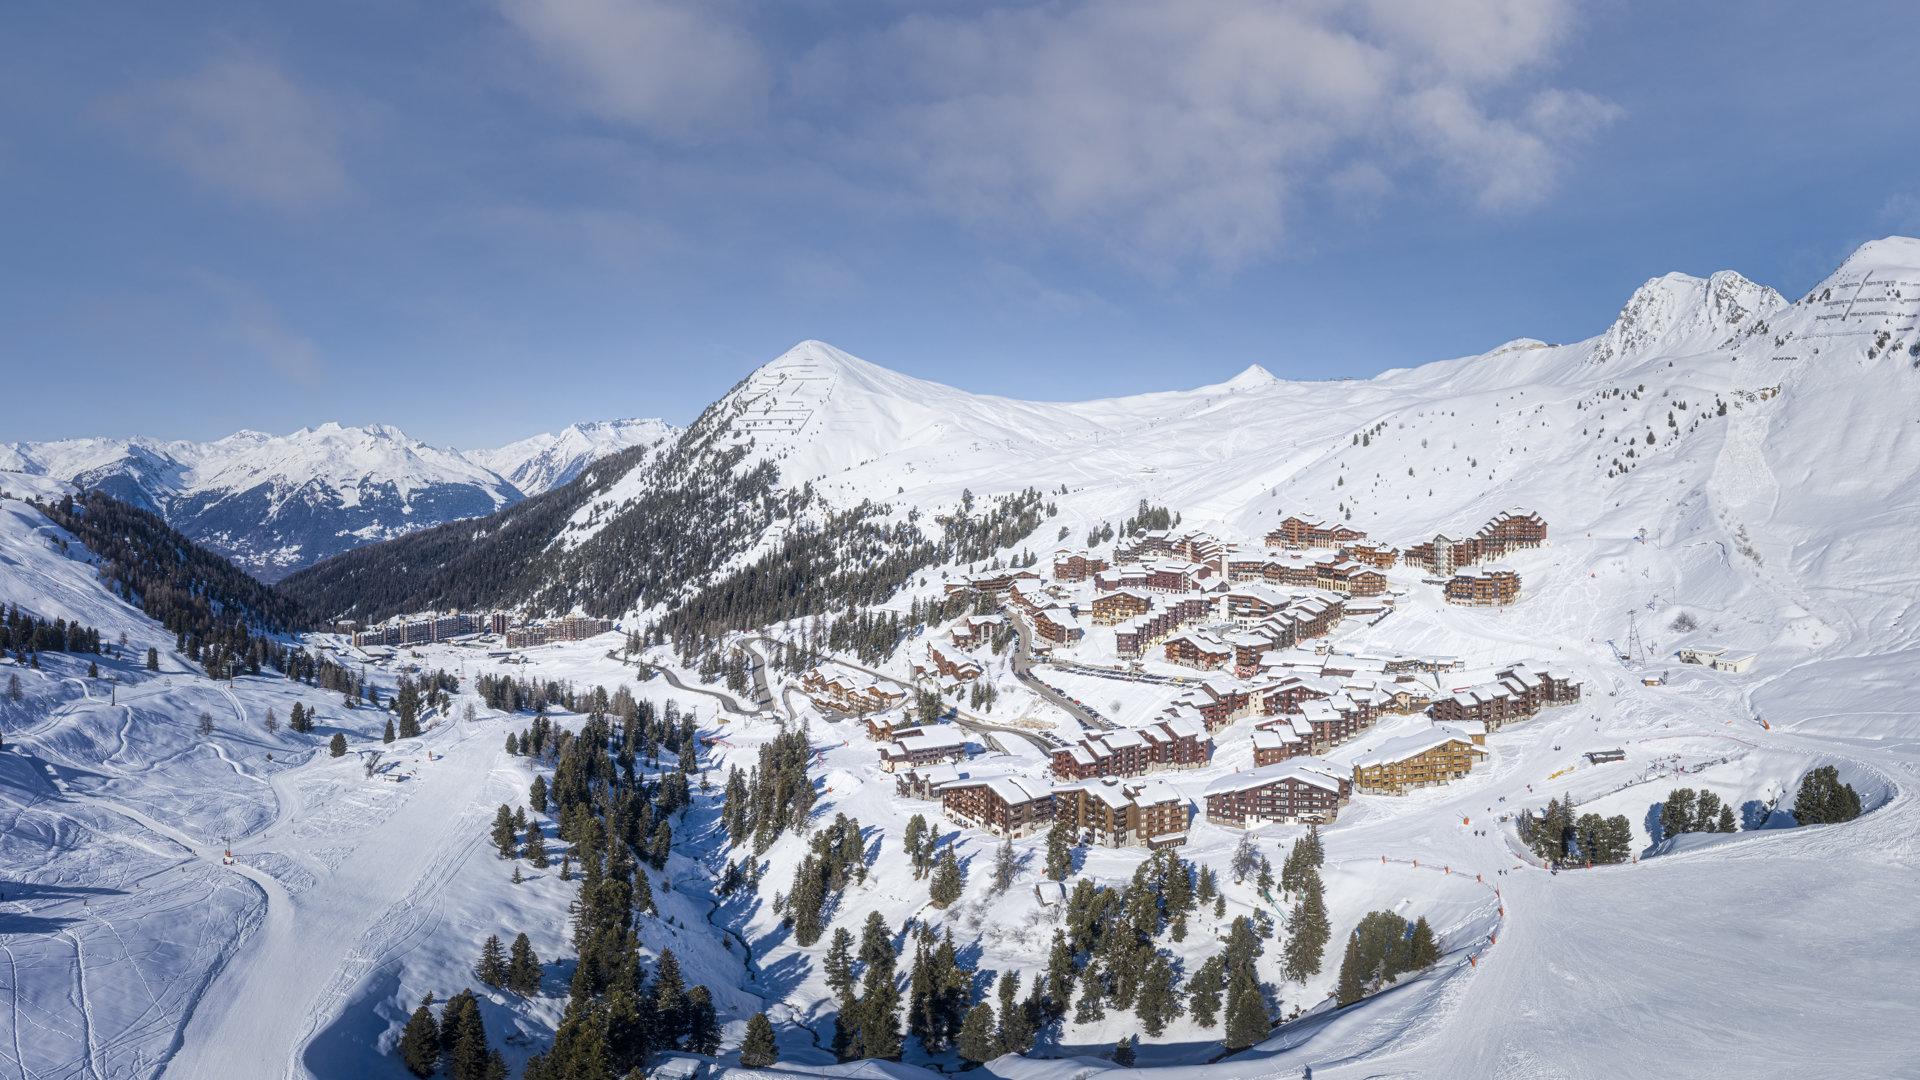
(1886, 253)
(1252, 377)
(1677, 306)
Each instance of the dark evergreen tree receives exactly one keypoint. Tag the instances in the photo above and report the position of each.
(1123, 1051)
(1824, 800)
(1676, 814)
(670, 1005)
(947, 880)
(703, 1025)
(1157, 1002)
(1059, 850)
(759, 1050)
(1423, 951)
(523, 968)
(1204, 990)
(839, 967)
(503, 831)
(1247, 1021)
(979, 1034)
(420, 1041)
(337, 746)
(492, 967)
(1352, 984)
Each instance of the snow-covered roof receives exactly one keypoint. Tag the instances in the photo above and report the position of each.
(1406, 746)
(1311, 771)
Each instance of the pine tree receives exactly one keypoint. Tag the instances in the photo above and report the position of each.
(1352, 985)
(535, 848)
(1005, 866)
(1059, 975)
(420, 1041)
(1247, 1021)
(1676, 814)
(839, 967)
(1204, 990)
(1123, 1051)
(492, 968)
(1307, 929)
(1824, 800)
(537, 795)
(1725, 824)
(703, 1025)
(1706, 812)
(523, 968)
(337, 746)
(1423, 951)
(463, 1038)
(153, 659)
(1059, 850)
(1016, 1029)
(1091, 1007)
(670, 999)
(915, 842)
(273, 721)
(387, 736)
(503, 832)
(979, 1035)
(759, 1050)
(947, 881)
(1157, 1001)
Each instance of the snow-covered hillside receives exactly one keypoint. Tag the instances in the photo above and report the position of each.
(546, 461)
(1716, 465)
(275, 503)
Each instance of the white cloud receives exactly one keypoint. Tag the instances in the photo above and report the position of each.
(1163, 133)
(241, 125)
(1192, 131)
(681, 70)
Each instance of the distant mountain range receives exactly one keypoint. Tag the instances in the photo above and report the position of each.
(276, 503)
(1703, 414)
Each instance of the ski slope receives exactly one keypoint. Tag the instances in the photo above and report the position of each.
(1778, 525)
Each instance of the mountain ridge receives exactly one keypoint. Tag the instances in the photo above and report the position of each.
(275, 503)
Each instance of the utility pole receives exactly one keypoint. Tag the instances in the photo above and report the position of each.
(1636, 648)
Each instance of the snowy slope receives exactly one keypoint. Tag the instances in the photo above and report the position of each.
(275, 503)
(1780, 524)
(546, 461)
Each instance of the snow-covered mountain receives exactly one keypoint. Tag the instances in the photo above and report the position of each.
(1700, 392)
(276, 503)
(1715, 452)
(546, 461)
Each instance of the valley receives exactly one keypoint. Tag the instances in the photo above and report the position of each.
(855, 649)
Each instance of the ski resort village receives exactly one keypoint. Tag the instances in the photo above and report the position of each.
(1462, 721)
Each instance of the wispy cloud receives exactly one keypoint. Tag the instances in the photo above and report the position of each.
(681, 70)
(247, 334)
(241, 125)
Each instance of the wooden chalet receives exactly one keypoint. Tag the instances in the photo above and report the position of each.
(1003, 806)
(1487, 586)
(1176, 743)
(1304, 789)
(1058, 625)
(1124, 815)
(1419, 760)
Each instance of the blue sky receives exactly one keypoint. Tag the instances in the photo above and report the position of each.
(478, 220)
